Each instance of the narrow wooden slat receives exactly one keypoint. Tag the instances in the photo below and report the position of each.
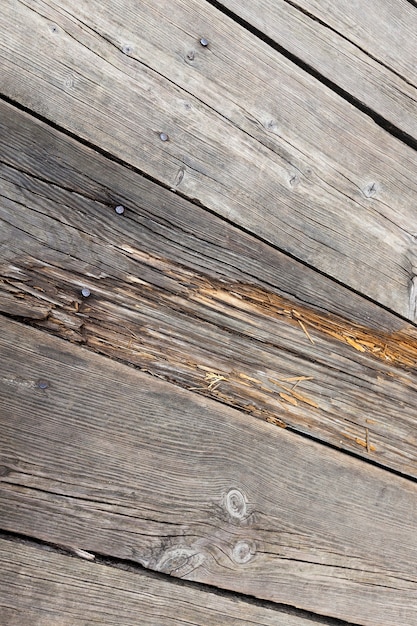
(182, 295)
(108, 460)
(366, 48)
(311, 175)
(43, 588)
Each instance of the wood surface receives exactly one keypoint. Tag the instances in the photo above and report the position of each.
(309, 174)
(365, 48)
(183, 295)
(39, 587)
(112, 461)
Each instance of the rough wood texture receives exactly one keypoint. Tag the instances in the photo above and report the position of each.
(309, 174)
(112, 461)
(182, 295)
(42, 588)
(365, 48)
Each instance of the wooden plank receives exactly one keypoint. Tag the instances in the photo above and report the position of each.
(365, 48)
(185, 296)
(40, 588)
(109, 460)
(244, 139)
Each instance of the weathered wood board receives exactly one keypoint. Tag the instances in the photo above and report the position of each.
(313, 176)
(106, 459)
(39, 587)
(365, 48)
(181, 294)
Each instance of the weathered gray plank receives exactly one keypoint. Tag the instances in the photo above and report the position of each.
(244, 138)
(113, 461)
(179, 293)
(40, 587)
(368, 51)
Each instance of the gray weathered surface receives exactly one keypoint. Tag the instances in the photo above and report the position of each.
(309, 174)
(181, 294)
(110, 460)
(367, 48)
(43, 588)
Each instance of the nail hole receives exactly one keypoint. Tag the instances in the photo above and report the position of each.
(371, 190)
(126, 49)
(191, 55)
(85, 292)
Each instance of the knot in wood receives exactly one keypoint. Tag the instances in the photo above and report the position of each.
(235, 503)
(179, 561)
(243, 552)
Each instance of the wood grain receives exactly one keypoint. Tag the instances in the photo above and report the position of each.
(42, 588)
(365, 48)
(112, 461)
(183, 295)
(311, 175)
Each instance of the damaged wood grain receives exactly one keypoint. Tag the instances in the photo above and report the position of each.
(112, 461)
(185, 296)
(273, 165)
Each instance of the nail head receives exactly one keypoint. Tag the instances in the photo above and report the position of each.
(120, 209)
(163, 137)
(204, 42)
(85, 292)
(42, 384)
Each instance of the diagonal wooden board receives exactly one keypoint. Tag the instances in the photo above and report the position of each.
(365, 48)
(109, 460)
(39, 587)
(311, 175)
(181, 294)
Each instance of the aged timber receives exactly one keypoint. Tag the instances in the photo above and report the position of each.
(311, 175)
(353, 46)
(110, 596)
(195, 489)
(182, 295)
(208, 313)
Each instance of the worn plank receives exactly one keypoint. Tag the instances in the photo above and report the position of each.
(244, 138)
(40, 587)
(181, 294)
(365, 48)
(109, 460)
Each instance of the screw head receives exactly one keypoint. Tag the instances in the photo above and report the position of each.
(204, 42)
(85, 292)
(120, 209)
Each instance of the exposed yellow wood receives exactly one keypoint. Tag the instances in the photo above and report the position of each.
(161, 278)
(248, 143)
(112, 461)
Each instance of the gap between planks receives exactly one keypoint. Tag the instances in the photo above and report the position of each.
(248, 606)
(345, 209)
